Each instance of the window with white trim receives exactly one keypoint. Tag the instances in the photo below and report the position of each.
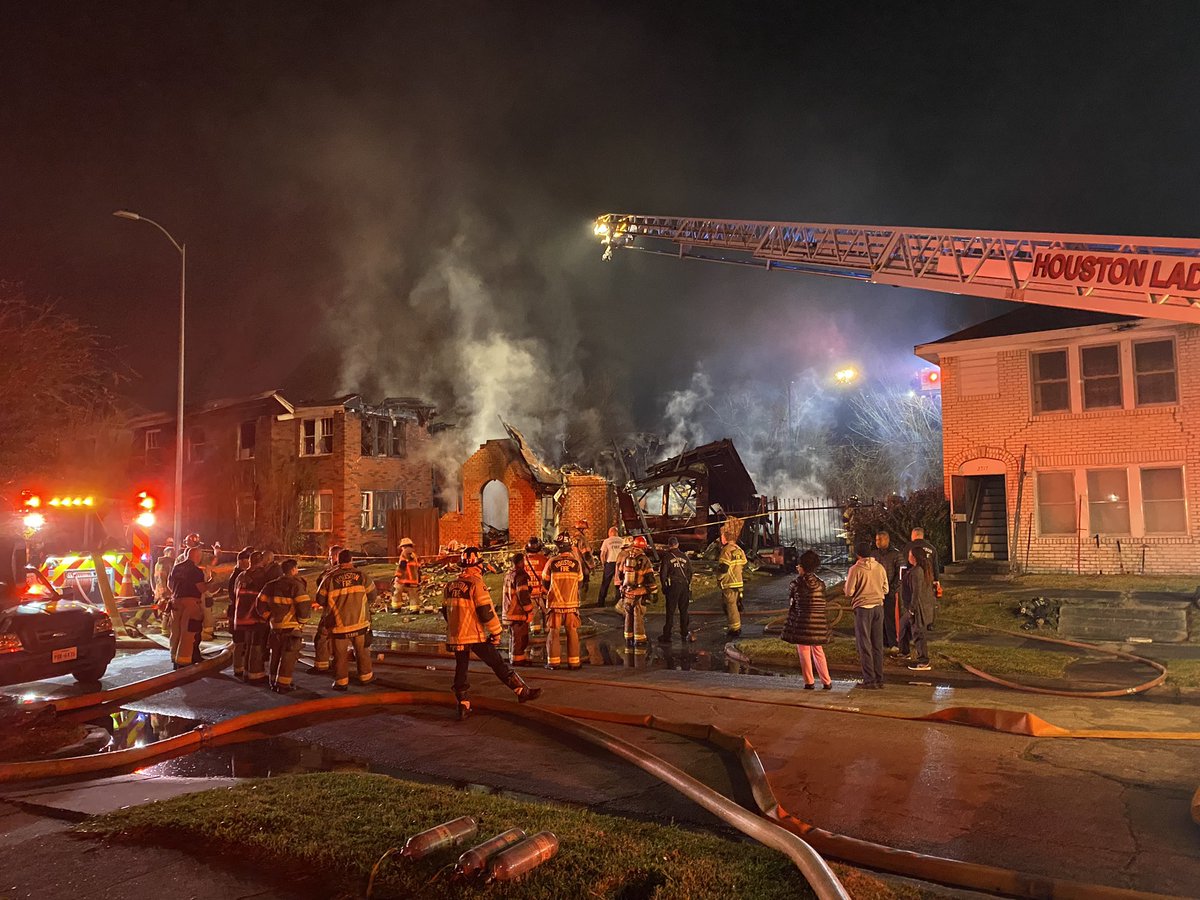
(1056, 502)
(316, 511)
(1051, 386)
(1108, 501)
(375, 507)
(316, 436)
(197, 445)
(1100, 371)
(153, 438)
(1164, 506)
(1154, 372)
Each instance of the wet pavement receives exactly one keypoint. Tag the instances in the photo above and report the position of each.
(1098, 811)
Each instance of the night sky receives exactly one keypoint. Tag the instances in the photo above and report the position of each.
(398, 197)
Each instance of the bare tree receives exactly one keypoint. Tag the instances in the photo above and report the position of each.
(895, 444)
(58, 383)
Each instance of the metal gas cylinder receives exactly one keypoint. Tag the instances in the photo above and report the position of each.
(448, 834)
(474, 861)
(523, 857)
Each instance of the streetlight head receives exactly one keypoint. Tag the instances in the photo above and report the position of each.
(126, 214)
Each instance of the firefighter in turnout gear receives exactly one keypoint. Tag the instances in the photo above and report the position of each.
(187, 584)
(240, 565)
(345, 596)
(322, 645)
(561, 577)
(729, 573)
(473, 627)
(287, 602)
(250, 622)
(636, 579)
(408, 576)
(517, 609)
(535, 563)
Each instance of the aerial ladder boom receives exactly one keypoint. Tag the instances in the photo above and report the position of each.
(1135, 276)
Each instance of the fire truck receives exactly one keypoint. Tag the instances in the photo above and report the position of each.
(65, 532)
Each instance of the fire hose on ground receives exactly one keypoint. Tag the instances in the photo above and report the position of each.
(851, 850)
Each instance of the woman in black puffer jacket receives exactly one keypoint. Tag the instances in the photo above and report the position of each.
(808, 622)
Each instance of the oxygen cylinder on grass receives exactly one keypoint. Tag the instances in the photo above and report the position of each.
(448, 834)
(522, 858)
(474, 862)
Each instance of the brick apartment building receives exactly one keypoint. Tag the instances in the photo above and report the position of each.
(296, 475)
(1101, 413)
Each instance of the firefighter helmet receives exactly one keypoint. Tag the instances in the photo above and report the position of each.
(192, 540)
(534, 544)
(406, 542)
(469, 558)
(639, 542)
(563, 542)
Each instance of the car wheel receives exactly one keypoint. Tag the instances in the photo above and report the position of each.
(90, 673)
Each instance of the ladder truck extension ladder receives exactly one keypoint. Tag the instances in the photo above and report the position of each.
(1146, 277)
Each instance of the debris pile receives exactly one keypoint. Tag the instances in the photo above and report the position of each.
(1038, 613)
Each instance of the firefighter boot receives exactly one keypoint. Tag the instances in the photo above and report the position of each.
(464, 705)
(524, 692)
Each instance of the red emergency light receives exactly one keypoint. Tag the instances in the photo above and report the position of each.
(931, 379)
(29, 500)
(147, 501)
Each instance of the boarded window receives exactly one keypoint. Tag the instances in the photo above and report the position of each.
(1108, 501)
(1056, 502)
(1163, 505)
(1101, 371)
(1051, 392)
(978, 376)
(1154, 372)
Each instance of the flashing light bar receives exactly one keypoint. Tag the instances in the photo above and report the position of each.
(65, 502)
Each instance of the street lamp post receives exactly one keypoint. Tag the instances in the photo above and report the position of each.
(182, 248)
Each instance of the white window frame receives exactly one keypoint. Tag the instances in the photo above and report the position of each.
(322, 435)
(195, 449)
(322, 518)
(1187, 519)
(1074, 500)
(1132, 501)
(368, 510)
(153, 439)
(1033, 393)
(1174, 371)
(1120, 376)
(246, 452)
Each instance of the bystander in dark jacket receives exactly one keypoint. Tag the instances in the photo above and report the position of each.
(807, 623)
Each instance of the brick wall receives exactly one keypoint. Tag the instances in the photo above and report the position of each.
(589, 497)
(497, 460)
(1000, 427)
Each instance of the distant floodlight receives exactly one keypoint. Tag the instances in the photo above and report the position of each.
(845, 376)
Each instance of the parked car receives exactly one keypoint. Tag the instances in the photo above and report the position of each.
(44, 635)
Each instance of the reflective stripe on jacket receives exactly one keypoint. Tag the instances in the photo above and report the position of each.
(287, 601)
(468, 611)
(562, 576)
(535, 564)
(637, 575)
(729, 566)
(346, 595)
(408, 570)
(249, 609)
(518, 605)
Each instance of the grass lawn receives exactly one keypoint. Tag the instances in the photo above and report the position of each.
(997, 660)
(342, 823)
(1183, 672)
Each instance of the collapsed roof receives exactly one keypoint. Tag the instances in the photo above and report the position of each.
(729, 484)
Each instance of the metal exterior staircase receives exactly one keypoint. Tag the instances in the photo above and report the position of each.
(990, 536)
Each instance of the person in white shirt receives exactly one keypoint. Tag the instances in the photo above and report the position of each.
(610, 548)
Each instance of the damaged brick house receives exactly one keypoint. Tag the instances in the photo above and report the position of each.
(297, 475)
(508, 494)
(1071, 441)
